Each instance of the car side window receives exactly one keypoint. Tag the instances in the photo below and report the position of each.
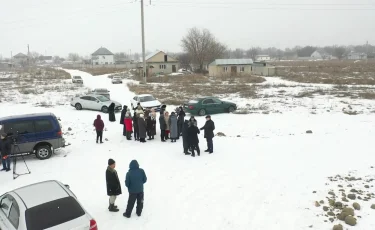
(14, 214)
(92, 99)
(5, 204)
(20, 127)
(216, 101)
(43, 125)
(85, 98)
(208, 101)
(135, 98)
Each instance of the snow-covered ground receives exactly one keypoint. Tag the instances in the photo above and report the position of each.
(261, 176)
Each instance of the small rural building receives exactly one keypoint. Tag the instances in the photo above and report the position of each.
(222, 67)
(263, 69)
(357, 56)
(103, 57)
(316, 55)
(262, 58)
(159, 62)
(20, 59)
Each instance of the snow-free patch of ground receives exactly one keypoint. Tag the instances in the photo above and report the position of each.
(262, 175)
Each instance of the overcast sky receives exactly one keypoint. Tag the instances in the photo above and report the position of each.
(59, 27)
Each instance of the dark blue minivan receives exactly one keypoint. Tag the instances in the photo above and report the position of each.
(38, 134)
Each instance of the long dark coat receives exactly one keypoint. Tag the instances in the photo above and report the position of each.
(113, 183)
(142, 127)
(185, 135)
(193, 132)
(135, 121)
(123, 112)
(209, 128)
(173, 126)
(111, 112)
(162, 123)
(151, 125)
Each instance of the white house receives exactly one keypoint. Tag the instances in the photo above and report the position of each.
(263, 58)
(316, 55)
(103, 57)
(357, 56)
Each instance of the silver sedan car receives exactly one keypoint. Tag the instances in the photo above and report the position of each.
(45, 205)
(94, 102)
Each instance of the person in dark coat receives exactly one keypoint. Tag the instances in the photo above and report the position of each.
(163, 126)
(150, 123)
(181, 119)
(153, 126)
(209, 128)
(99, 127)
(113, 185)
(162, 109)
(123, 113)
(142, 128)
(193, 139)
(185, 137)
(6, 150)
(129, 126)
(111, 112)
(135, 178)
(173, 127)
(135, 125)
(193, 121)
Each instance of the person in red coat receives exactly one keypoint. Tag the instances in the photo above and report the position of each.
(99, 127)
(128, 124)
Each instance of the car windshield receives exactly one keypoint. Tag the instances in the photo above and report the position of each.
(53, 213)
(147, 98)
(101, 90)
(102, 98)
(77, 77)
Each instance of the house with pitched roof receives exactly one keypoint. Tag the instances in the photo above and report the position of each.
(233, 67)
(160, 62)
(103, 57)
(20, 59)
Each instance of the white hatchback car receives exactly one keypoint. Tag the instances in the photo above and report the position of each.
(45, 205)
(94, 102)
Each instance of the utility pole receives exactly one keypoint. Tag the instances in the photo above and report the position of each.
(143, 43)
(366, 52)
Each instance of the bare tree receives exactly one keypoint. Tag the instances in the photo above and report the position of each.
(73, 57)
(339, 52)
(202, 46)
(121, 55)
(252, 53)
(185, 60)
(238, 53)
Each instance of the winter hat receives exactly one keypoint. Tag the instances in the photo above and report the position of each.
(98, 117)
(208, 116)
(111, 162)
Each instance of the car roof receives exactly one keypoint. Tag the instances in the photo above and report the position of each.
(76, 76)
(23, 116)
(40, 193)
(143, 95)
(100, 89)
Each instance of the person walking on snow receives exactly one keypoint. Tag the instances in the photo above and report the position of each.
(111, 112)
(135, 178)
(113, 185)
(123, 113)
(163, 126)
(193, 139)
(128, 123)
(185, 140)
(99, 127)
(209, 128)
(142, 128)
(6, 150)
(173, 127)
(150, 123)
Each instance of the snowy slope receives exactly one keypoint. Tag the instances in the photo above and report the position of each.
(263, 179)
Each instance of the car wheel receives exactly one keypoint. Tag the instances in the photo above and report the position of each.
(202, 112)
(104, 109)
(231, 109)
(78, 106)
(43, 152)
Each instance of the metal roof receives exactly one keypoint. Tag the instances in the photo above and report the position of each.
(152, 54)
(102, 51)
(232, 62)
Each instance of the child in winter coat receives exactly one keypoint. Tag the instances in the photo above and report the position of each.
(128, 124)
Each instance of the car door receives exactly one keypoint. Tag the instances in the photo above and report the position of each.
(95, 103)
(219, 106)
(85, 102)
(9, 213)
(22, 133)
(44, 130)
(208, 105)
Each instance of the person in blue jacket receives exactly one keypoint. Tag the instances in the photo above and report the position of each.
(135, 178)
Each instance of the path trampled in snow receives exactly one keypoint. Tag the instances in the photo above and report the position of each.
(261, 180)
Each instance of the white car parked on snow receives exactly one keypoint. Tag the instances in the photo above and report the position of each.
(77, 79)
(147, 101)
(94, 102)
(116, 80)
(44, 205)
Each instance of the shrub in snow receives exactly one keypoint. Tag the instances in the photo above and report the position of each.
(356, 206)
(337, 227)
(349, 220)
(220, 134)
(373, 206)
